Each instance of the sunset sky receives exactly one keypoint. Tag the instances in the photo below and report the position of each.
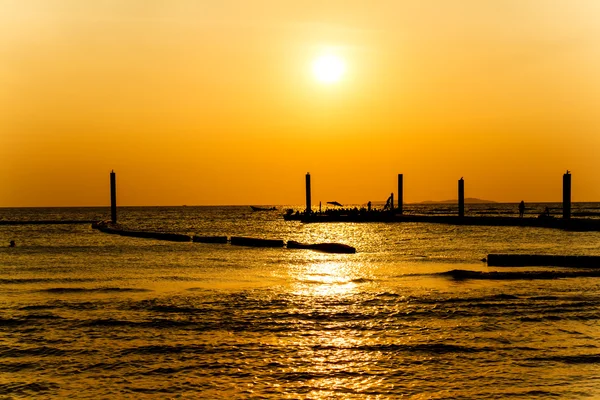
(211, 102)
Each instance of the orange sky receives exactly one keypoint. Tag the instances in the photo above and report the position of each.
(214, 102)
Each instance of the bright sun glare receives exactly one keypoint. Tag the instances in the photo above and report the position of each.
(329, 68)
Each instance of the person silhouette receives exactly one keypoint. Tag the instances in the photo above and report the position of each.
(521, 209)
(545, 214)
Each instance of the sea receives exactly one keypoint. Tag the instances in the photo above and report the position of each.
(414, 314)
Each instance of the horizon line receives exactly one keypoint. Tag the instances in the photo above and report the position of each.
(425, 202)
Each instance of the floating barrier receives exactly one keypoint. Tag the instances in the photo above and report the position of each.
(255, 242)
(292, 244)
(116, 229)
(209, 239)
(461, 274)
(172, 237)
(108, 227)
(324, 247)
(537, 260)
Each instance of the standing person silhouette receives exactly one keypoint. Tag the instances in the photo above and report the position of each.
(521, 209)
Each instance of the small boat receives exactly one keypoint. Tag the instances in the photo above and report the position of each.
(263, 208)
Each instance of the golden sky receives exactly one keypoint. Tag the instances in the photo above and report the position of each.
(214, 101)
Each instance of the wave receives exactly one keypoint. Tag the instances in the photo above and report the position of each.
(25, 389)
(434, 348)
(429, 348)
(93, 290)
(469, 300)
(337, 282)
(174, 309)
(18, 321)
(177, 278)
(175, 349)
(571, 359)
(37, 307)
(462, 274)
(12, 281)
(7, 351)
(12, 322)
(154, 323)
(18, 367)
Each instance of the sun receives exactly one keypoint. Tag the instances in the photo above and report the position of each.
(329, 68)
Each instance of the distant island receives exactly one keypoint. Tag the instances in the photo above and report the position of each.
(468, 200)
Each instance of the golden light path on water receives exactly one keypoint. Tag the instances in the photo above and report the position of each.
(326, 284)
(350, 307)
(326, 278)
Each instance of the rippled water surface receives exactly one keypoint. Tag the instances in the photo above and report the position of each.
(414, 314)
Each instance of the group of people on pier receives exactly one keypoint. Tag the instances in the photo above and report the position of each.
(545, 214)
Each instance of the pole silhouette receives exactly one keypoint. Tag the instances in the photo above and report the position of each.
(461, 197)
(113, 197)
(308, 201)
(400, 193)
(567, 195)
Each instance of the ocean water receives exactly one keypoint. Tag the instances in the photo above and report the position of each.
(85, 314)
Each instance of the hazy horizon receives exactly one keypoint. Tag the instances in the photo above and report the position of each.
(219, 102)
(375, 203)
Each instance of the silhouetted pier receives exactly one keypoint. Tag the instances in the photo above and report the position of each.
(391, 214)
(572, 224)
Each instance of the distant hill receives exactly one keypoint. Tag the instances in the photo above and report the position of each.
(468, 200)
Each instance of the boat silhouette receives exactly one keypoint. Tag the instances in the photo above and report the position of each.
(254, 208)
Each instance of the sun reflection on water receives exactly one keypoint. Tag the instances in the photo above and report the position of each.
(326, 278)
(325, 287)
(344, 341)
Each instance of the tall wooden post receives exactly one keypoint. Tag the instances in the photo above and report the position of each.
(567, 195)
(461, 197)
(113, 197)
(400, 193)
(308, 201)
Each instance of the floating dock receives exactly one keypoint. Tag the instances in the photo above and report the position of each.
(391, 214)
(571, 224)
